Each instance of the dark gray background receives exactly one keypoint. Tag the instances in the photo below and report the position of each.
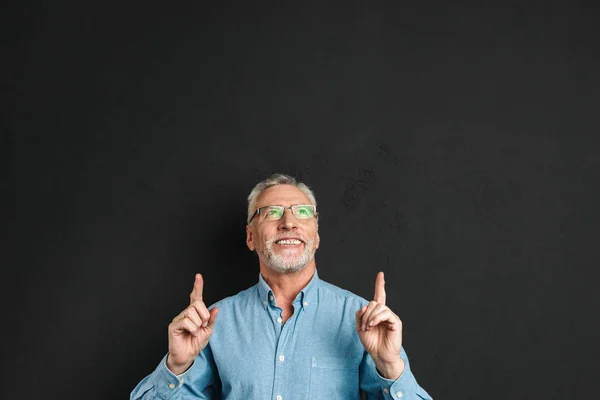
(451, 145)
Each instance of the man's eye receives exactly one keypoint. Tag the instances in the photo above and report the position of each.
(304, 212)
(274, 212)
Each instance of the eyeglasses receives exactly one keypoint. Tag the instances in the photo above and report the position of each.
(275, 213)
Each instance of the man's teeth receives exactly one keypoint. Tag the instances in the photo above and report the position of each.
(289, 241)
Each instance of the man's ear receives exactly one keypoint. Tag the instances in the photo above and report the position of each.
(318, 241)
(249, 238)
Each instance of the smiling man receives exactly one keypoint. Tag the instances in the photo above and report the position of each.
(292, 335)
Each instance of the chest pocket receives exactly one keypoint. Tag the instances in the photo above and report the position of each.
(334, 378)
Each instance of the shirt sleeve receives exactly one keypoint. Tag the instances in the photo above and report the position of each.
(379, 388)
(200, 381)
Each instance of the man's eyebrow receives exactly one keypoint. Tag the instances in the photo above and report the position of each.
(281, 205)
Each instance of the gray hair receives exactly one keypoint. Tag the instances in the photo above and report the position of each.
(276, 179)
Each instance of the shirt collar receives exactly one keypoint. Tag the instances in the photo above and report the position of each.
(306, 297)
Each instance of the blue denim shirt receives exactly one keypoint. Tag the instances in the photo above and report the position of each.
(316, 354)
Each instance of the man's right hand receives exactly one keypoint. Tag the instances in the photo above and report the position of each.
(190, 330)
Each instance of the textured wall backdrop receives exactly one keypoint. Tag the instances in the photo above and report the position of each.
(451, 145)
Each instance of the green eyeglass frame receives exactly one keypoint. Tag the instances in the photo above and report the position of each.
(275, 213)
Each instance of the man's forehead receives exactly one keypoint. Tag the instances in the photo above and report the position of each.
(282, 195)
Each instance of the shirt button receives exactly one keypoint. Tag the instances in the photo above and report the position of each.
(279, 320)
(399, 394)
(386, 390)
(171, 386)
(279, 397)
(271, 298)
(305, 303)
(281, 358)
(265, 302)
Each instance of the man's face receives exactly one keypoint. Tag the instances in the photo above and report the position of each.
(286, 245)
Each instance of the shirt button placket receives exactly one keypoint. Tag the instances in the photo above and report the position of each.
(280, 351)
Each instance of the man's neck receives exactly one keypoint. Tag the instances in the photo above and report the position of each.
(287, 286)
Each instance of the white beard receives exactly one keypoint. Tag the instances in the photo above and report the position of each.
(283, 264)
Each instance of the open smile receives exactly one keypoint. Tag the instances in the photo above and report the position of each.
(289, 242)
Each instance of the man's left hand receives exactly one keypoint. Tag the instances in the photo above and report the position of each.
(380, 332)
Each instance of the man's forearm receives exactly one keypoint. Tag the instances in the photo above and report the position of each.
(178, 369)
(390, 370)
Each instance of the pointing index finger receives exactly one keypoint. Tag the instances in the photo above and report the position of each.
(379, 289)
(198, 287)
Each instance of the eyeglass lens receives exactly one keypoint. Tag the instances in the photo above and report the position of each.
(273, 213)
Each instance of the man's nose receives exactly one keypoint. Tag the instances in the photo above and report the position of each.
(288, 221)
